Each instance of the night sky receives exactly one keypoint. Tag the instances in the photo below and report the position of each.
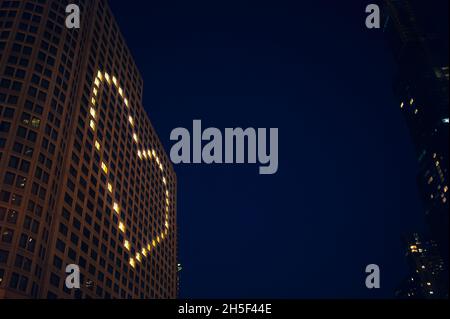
(345, 190)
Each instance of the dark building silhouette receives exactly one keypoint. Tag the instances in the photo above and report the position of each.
(417, 33)
(84, 178)
(427, 278)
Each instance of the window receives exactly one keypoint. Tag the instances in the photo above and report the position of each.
(7, 235)
(3, 256)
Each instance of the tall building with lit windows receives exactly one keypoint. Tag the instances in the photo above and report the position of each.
(417, 32)
(84, 178)
(426, 279)
(418, 35)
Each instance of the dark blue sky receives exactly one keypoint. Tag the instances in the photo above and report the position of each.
(345, 190)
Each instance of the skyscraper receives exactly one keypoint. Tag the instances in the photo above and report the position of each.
(84, 179)
(417, 32)
(427, 273)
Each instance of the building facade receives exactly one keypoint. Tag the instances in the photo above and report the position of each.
(418, 35)
(84, 179)
(426, 279)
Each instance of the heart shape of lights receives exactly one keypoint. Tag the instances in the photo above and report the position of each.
(141, 152)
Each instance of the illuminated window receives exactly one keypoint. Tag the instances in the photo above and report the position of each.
(92, 124)
(127, 244)
(140, 154)
(93, 101)
(95, 91)
(121, 92)
(132, 263)
(104, 168)
(411, 102)
(107, 77)
(130, 119)
(135, 138)
(121, 227)
(110, 188)
(144, 252)
(416, 111)
(138, 257)
(126, 102)
(97, 82)
(93, 113)
(402, 105)
(114, 80)
(100, 75)
(116, 207)
(97, 145)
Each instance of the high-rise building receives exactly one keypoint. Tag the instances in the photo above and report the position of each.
(417, 32)
(84, 179)
(426, 279)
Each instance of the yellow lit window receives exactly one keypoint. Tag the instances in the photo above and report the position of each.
(93, 113)
(411, 101)
(445, 189)
(110, 188)
(132, 263)
(126, 102)
(149, 247)
(104, 167)
(127, 244)
(138, 257)
(130, 119)
(92, 124)
(93, 101)
(149, 154)
(100, 75)
(135, 138)
(116, 208)
(167, 224)
(121, 92)
(164, 180)
(114, 80)
(95, 91)
(97, 82)
(144, 252)
(402, 105)
(140, 154)
(122, 227)
(97, 145)
(108, 79)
